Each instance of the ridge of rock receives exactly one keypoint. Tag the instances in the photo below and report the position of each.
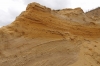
(95, 12)
(94, 15)
(75, 11)
(34, 5)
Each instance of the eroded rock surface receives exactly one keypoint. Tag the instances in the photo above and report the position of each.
(40, 36)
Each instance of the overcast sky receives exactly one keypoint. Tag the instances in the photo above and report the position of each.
(9, 9)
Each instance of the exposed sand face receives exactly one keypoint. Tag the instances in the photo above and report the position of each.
(43, 37)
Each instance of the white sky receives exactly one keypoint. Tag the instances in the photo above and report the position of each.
(9, 9)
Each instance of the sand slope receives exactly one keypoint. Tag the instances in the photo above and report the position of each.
(40, 36)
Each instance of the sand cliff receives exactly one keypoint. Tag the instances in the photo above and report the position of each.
(40, 36)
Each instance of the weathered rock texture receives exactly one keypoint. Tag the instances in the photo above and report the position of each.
(43, 37)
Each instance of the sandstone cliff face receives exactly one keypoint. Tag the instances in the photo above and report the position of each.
(94, 15)
(43, 37)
